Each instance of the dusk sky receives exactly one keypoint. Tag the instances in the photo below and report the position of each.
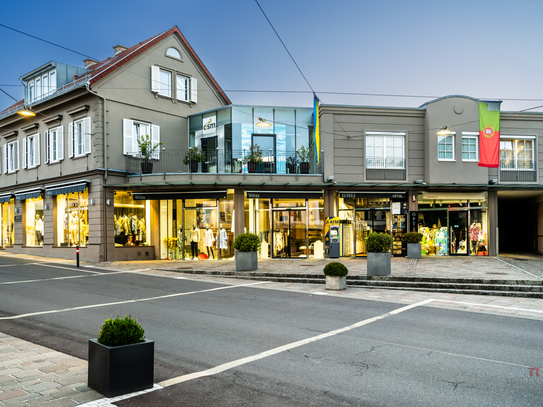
(487, 49)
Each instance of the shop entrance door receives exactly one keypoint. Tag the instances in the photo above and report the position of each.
(366, 222)
(458, 233)
(201, 233)
(290, 234)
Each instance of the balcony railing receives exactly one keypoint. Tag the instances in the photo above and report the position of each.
(523, 171)
(385, 169)
(222, 162)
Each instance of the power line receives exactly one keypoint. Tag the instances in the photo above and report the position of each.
(8, 94)
(48, 42)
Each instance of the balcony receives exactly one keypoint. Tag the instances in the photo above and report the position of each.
(223, 162)
(385, 169)
(523, 171)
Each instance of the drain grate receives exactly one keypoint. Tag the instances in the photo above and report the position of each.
(501, 274)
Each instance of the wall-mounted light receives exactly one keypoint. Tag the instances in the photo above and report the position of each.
(26, 112)
(45, 206)
(418, 181)
(414, 198)
(263, 123)
(92, 202)
(108, 202)
(16, 210)
(493, 182)
(330, 179)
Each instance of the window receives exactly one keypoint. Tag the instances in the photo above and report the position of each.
(517, 153)
(385, 150)
(185, 88)
(445, 147)
(133, 131)
(41, 86)
(470, 147)
(72, 224)
(7, 232)
(31, 151)
(173, 53)
(34, 222)
(79, 138)
(11, 157)
(54, 145)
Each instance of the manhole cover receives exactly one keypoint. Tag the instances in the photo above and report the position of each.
(501, 274)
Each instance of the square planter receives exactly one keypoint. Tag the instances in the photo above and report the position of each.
(116, 370)
(379, 264)
(413, 251)
(336, 283)
(246, 261)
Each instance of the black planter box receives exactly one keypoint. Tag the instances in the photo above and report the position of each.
(120, 369)
(304, 167)
(146, 167)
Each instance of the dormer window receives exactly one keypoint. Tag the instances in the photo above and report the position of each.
(41, 86)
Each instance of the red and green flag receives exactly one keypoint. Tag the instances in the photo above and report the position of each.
(489, 134)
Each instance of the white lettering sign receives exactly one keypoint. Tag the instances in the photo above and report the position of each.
(209, 124)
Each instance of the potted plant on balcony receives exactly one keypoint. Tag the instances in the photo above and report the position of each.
(378, 246)
(413, 240)
(336, 276)
(253, 158)
(247, 246)
(304, 153)
(194, 156)
(147, 149)
(120, 359)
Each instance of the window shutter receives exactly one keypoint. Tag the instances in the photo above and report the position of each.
(16, 155)
(5, 157)
(193, 90)
(47, 149)
(155, 138)
(128, 136)
(60, 143)
(71, 140)
(87, 135)
(25, 153)
(155, 79)
(37, 149)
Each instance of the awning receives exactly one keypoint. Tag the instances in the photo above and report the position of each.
(24, 195)
(284, 194)
(66, 189)
(5, 198)
(144, 196)
(373, 194)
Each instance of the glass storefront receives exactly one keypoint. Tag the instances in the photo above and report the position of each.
(132, 220)
(8, 214)
(453, 224)
(34, 222)
(72, 219)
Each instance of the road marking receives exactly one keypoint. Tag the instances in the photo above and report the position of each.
(127, 301)
(491, 306)
(524, 271)
(275, 351)
(61, 278)
(68, 268)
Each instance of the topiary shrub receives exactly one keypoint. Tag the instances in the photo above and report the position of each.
(121, 331)
(247, 242)
(412, 237)
(379, 243)
(336, 269)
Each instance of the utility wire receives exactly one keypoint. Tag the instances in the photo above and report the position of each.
(8, 95)
(49, 42)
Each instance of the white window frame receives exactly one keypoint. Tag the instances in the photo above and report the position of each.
(54, 145)
(471, 136)
(11, 157)
(79, 138)
(37, 89)
(515, 140)
(31, 151)
(189, 93)
(442, 137)
(132, 131)
(385, 157)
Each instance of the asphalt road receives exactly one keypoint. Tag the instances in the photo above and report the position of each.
(326, 351)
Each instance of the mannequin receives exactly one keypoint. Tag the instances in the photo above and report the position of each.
(194, 239)
(39, 230)
(208, 242)
(223, 240)
(73, 229)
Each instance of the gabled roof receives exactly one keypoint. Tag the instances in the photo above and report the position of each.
(102, 69)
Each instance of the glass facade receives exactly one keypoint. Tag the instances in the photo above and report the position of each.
(132, 220)
(34, 230)
(8, 216)
(72, 223)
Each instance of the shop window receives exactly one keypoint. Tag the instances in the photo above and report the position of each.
(133, 131)
(34, 222)
(11, 157)
(8, 214)
(72, 219)
(470, 147)
(54, 145)
(79, 140)
(31, 151)
(131, 220)
(517, 154)
(445, 147)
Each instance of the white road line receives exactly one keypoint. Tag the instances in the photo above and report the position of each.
(524, 271)
(271, 352)
(60, 278)
(491, 306)
(126, 302)
(68, 268)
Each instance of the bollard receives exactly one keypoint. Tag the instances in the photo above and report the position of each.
(77, 255)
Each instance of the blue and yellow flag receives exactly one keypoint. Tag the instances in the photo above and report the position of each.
(316, 127)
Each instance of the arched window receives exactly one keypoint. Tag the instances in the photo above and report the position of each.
(172, 52)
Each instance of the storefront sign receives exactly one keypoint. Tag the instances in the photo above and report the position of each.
(284, 194)
(144, 196)
(209, 124)
(360, 194)
(413, 221)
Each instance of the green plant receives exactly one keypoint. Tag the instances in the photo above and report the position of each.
(194, 154)
(379, 243)
(121, 331)
(336, 269)
(247, 242)
(304, 153)
(412, 237)
(147, 148)
(255, 155)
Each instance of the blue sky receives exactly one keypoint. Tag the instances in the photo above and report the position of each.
(480, 48)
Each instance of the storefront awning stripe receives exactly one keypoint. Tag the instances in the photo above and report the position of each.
(5, 198)
(284, 194)
(28, 195)
(67, 189)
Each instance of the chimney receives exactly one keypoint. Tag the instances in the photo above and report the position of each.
(89, 62)
(119, 48)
